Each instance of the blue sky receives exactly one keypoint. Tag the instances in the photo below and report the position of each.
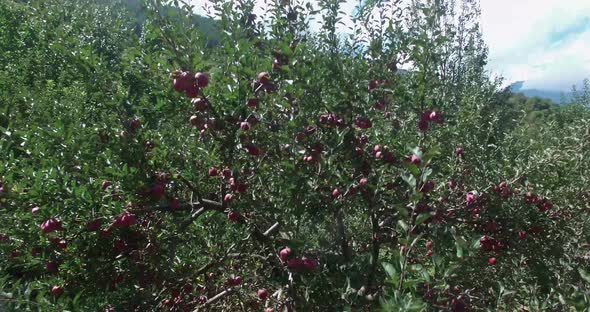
(543, 42)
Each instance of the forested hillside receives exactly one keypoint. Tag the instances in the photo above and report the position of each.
(155, 160)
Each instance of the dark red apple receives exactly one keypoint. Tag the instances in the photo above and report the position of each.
(200, 104)
(233, 216)
(262, 294)
(57, 291)
(285, 254)
(51, 267)
(202, 79)
(252, 103)
(228, 198)
(263, 77)
(51, 225)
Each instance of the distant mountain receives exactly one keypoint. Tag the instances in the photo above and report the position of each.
(554, 95)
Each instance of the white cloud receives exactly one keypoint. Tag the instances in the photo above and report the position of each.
(518, 33)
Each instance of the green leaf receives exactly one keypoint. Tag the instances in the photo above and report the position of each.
(422, 217)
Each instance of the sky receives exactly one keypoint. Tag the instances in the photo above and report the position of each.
(545, 43)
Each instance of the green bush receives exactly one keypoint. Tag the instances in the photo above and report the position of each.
(377, 170)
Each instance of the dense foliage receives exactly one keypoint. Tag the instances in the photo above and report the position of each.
(151, 159)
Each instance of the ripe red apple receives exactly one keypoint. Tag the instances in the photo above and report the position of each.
(380, 105)
(296, 263)
(51, 225)
(244, 126)
(285, 254)
(263, 294)
(233, 216)
(459, 151)
(470, 198)
(213, 172)
(429, 244)
(263, 77)
(427, 187)
(234, 281)
(174, 203)
(125, 219)
(94, 225)
(228, 198)
(521, 235)
(57, 291)
(134, 124)
(183, 80)
(363, 181)
(336, 193)
(415, 159)
(269, 310)
(35, 209)
(429, 253)
(310, 264)
(194, 120)
(105, 184)
(458, 305)
(423, 125)
(51, 267)
(253, 150)
(435, 117)
(227, 173)
(158, 191)
(363, 122)
(252, 103)
(492, 261)
(199, 104)
(202, 79)
(373, 84)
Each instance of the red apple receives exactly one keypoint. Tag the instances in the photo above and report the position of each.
(228, 198)
(105, 184)
(492, 261)
(51, 225)
(244, 126)
(202, 79)
(285, 254)
(252, 103)
(213, 172)
(51, 267)
(183, 80)
(263, 294)
(199, 104)
(57, 291)
(233, 216)
(263, 77)
(470, 198)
